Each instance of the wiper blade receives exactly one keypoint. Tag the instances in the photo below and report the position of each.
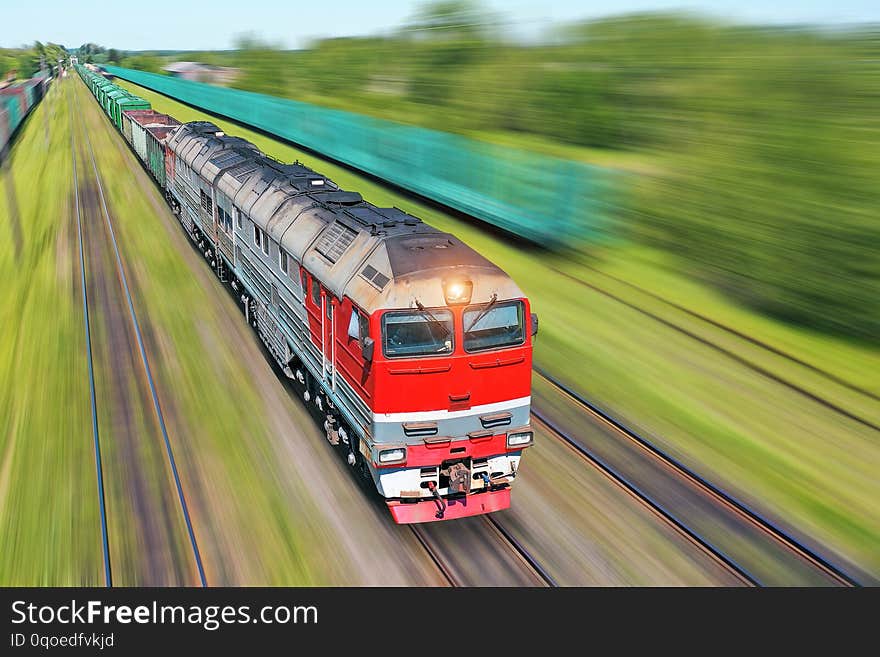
(433, 319)
(483, 313)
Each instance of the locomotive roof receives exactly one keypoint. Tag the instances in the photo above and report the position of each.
(412, 253)
(378, 257)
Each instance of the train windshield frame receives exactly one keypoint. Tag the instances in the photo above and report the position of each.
(418, 333)
(502, 326)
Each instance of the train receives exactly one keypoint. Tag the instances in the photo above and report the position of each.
(553, 202)
(414, 349)
(16, 102)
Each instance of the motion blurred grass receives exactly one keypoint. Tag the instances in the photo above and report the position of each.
(852, 361)
(776, 448)
(49, 526)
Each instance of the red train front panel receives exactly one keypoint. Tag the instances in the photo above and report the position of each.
(451, 406)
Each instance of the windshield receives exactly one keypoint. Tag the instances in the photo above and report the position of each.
(501, 326)
(417, 333)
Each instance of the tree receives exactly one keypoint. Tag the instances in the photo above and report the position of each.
(445, 37)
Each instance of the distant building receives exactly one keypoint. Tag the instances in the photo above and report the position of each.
(199, 72)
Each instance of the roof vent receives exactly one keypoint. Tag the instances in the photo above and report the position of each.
(334, 241)
(339, 197)
(375, 277)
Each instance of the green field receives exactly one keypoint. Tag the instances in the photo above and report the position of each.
(783, 452)
(49, 535)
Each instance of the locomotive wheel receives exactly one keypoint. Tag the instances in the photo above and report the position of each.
(364, 470)
(360, 465)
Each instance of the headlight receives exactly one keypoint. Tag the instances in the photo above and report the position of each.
(519, 439)
(392, 455)
(457, 291)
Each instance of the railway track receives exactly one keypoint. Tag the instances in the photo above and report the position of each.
(127, 391)
(435, 556)
(105, 542)
(745, 362)
(754, 548)
(483, 554)
(521, 550)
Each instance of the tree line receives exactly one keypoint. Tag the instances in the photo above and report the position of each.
(26, 61)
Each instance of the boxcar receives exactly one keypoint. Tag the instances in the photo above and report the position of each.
(18, 100)
(5, 132)
(103, 87)
(110, 97)
(126, 126)
(149, 129)
(126, 103)
(28, 90)
(14, 105)
(157, 137)
(32, 88)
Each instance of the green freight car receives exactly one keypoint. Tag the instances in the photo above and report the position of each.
(550, 201)
(114, 100)
(144, 129)
(124, 104)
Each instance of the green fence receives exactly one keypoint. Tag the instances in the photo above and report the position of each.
(547, 200)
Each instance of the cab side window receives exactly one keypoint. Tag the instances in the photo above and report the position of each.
(358, 327)
(354, 325)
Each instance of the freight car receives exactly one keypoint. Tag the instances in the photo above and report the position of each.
(16, 102)
(415, 349)
(547, 200)
(146, 132)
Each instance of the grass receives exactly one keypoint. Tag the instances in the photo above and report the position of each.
(659, 273)
(774, 447)
(49, 526)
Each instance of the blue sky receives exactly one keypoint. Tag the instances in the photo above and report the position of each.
(202, 24)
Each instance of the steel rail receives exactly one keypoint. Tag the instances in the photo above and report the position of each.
(145, 361)
(435, 557)
(521, 550)
(758, 520)
(706, 545)
(745, 362)
(105, 542)
(831, 376)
